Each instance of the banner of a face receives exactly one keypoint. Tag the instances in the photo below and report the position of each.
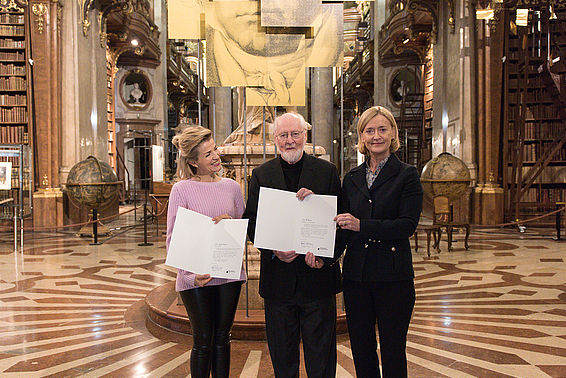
(270, 60)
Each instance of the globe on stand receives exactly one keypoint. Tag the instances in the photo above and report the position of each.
(446, 176)
(92, 183)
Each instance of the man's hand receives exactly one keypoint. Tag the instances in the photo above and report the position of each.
(313, 261)
(202, 279)
(286, 256)
(220, 217)
(303, 193)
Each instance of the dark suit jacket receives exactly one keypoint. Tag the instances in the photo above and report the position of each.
(389, 213)
(278, 279)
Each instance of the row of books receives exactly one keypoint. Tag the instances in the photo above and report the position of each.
(17, 99)
(540, 130)
(15, 160)
(13, 134)
(12, 30)
(12, 69)
(7, 18)
(18, 114)
(13, 82)
(533, 152)
(17, 55)
(544, 195)
(8, 42)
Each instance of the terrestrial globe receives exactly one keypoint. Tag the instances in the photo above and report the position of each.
(445, 175)
(92, 183)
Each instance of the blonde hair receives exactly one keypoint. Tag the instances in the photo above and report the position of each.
(187, 142)
(370, 114)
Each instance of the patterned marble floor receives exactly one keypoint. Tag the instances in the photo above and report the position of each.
(71, 309)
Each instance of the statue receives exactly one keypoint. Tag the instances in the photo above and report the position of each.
(136, 93)
(254, 123)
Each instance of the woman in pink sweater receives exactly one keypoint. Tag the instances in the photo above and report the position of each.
(210, 302)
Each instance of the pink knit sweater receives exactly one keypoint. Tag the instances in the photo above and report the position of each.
(210, 199)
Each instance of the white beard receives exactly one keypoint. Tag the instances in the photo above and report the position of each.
(292, 157)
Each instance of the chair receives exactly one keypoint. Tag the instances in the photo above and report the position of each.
(443, 217)
(430, 230)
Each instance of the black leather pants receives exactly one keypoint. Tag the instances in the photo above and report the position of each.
(211, 310)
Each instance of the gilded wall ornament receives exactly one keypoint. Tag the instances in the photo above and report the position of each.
(85, 7)
(10, 6)
(39, 10)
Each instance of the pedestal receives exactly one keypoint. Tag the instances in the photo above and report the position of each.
(488, 204)
(48, 208)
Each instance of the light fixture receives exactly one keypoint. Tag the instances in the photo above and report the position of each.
(134, 42)
(406, 40)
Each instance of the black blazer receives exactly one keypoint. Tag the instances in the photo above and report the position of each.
(278, 279)
(389, 213)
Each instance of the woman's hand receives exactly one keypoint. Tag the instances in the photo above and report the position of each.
(202, 279)
(220, 217)
(303, 193)
(313, 261)
(347, 221)
(286, 256)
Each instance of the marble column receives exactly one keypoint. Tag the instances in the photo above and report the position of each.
(220, 109)
(322, 107)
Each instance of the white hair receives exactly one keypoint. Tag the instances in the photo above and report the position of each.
(294, 115)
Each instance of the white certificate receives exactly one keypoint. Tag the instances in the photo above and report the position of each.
(202, 247)
(285, 224)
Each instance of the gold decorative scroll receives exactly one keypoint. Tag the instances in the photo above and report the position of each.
(85, 7)
(289, 13)
(184, 19)
(9, 6)
(39, 10)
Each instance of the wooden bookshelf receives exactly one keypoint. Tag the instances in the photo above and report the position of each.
(15, 109)
(534, 135)
(14, 80)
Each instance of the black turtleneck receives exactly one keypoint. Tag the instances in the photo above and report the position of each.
(292, 173)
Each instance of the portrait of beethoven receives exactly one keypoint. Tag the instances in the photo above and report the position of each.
(270, 62)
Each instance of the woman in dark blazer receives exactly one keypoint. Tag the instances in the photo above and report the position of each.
(380, 209)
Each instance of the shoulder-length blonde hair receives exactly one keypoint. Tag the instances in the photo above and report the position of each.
(370, 114)
(187, 142)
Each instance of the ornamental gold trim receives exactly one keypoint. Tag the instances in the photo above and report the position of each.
(9, 6)
(39, 10)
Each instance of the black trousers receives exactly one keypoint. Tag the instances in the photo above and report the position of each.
(315, 320)
(391, 305)
(211, 310)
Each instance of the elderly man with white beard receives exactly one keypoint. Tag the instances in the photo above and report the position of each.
(299, 291)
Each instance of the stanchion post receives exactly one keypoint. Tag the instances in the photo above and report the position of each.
(559, 221)
(145, 243)
(95, 227)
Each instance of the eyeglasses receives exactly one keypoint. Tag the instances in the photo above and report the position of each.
(295, 135)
